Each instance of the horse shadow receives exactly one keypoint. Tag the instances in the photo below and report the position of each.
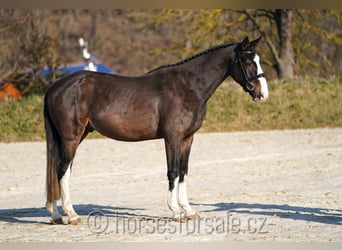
(39, 215)
(310, 214)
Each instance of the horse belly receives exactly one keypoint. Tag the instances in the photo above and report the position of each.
(128, 127)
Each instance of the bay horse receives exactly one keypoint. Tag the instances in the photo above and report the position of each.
(168, 102)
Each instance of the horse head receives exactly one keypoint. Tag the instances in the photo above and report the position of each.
(247, 71)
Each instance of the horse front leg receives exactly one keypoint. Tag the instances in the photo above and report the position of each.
(172, 148)
(177, 153)
(190, 214)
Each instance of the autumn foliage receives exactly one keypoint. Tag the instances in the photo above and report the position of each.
(296, 42)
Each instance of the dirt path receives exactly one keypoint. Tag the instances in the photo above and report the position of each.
(274, 185)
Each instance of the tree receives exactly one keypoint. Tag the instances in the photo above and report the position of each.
(317, 42)
(281, 48)
(31, 45)
(297, 38)
(132, 42)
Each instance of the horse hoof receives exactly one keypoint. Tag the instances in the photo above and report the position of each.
(194, 216)
(180, 219)
(58, 221)
(183, 219)
(75, 221)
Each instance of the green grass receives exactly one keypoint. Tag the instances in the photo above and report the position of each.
(293, 104)
(296, 103)
(22, 120)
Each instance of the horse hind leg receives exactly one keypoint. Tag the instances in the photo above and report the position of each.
(69, 150)
(63, 137)
(56, 218)
(68, 209)
(67, 206)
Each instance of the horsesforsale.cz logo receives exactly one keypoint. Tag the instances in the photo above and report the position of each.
(97, 222)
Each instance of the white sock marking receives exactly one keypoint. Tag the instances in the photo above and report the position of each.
(183, 197)
(66, 201)
(172, 199)
(52, 208)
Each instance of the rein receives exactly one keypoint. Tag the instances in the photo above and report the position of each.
(249, 85)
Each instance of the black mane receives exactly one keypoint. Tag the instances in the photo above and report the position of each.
(193, 57)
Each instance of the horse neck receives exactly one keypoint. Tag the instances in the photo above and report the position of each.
(208, 71)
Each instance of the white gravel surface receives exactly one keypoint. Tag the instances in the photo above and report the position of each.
(281, 185)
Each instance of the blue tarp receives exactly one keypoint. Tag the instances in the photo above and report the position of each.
(100, 67)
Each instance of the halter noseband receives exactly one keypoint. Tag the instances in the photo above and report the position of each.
(249, 85)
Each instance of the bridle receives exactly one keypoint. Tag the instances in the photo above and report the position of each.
(249, 85)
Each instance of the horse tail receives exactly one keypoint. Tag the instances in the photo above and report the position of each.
(53, 152)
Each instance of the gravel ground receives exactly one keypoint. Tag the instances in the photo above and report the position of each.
(281, 185)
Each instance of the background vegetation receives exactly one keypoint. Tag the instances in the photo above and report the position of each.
(296, 42)
(295, 103)
(301, 55)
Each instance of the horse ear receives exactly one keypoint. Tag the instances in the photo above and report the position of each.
(245, 43)
(255, 42)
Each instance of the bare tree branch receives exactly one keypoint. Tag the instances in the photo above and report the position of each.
(264, 34)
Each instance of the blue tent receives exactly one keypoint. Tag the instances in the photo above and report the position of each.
(90, 63)
(69, 69)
